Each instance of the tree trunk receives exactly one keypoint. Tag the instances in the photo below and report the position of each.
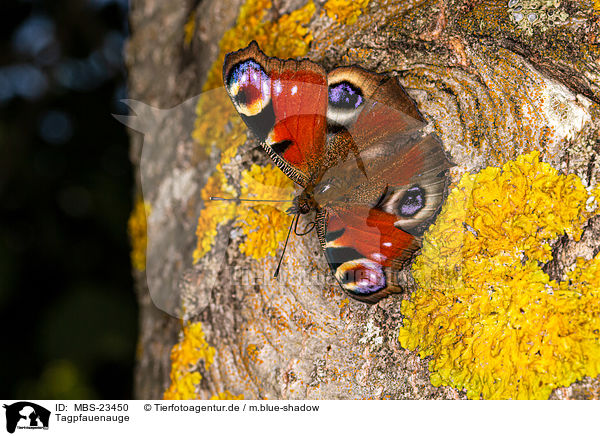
(496, 79)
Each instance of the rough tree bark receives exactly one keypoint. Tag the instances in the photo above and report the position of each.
(493, 77)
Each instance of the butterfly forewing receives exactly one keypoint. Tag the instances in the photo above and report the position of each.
(284, 103)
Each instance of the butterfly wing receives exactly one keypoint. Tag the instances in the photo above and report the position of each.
(284, 103)
(364, 250)
(372, 228)
(377, 201)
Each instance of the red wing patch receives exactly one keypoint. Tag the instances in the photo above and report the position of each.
(299, 105)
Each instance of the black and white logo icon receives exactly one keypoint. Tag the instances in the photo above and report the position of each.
(26, 415)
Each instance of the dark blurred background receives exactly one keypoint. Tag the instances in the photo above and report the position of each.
(68, 312)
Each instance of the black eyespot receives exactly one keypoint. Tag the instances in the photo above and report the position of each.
(242, 98)
(344, 95)
(281, 147)
(412, 202)
(367, 278)
(249, 87)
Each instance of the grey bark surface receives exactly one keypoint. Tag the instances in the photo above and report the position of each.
(468, 66)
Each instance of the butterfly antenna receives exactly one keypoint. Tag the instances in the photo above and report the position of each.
(309, 228)
(247, 199)
(294, 220)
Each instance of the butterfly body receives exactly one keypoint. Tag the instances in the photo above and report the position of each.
(354, 141)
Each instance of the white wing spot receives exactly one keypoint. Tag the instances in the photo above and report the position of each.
(266, 91)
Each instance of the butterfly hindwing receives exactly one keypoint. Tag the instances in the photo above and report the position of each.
(364, 249)
(284, 103)
(379, 200)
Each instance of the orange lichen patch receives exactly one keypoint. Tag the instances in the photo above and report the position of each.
(456, 44)
(185, 358)
(226, 395)
(273, 316)
(188, 29)
(264, 224)
(592, 393)
(345, 11)
(550, 28)
(252, 352)
(279, 319)
(303, 319)
(138, 233)
(492, 319)
(510, 110)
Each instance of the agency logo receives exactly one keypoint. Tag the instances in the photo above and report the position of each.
(26, 415)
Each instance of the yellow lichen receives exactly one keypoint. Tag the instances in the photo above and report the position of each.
(184, 386)
(345, 11)
(138, 233)
(185, 358)
(213, 113)
(485, 310)
(214, 212)
(264, 224)
(227, 396)
(285, 37)
(188, 29)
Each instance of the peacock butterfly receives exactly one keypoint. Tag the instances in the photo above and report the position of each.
(354, 141)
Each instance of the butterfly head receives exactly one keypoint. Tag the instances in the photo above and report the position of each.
(304, 203)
